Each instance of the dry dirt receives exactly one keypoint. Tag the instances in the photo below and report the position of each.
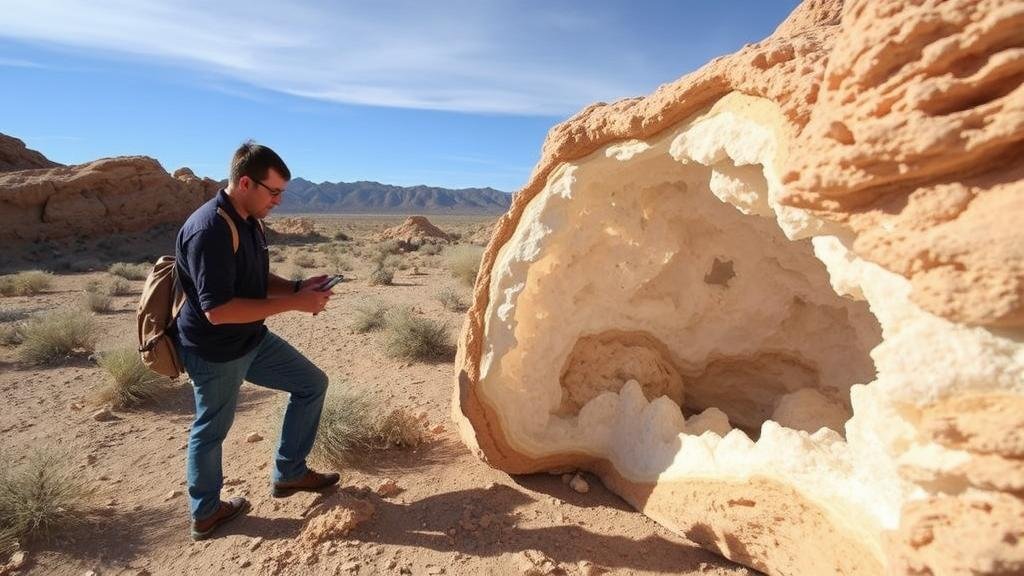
(454, 514)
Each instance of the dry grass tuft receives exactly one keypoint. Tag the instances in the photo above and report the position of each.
(131, 381)
(451, 299)
(352, 427)
(304, 260)
(130, 271)
(409, 336)
(464, 263)
(40, 497)
(98, 302)
(25, 283)
(57, 335)
(369, 317)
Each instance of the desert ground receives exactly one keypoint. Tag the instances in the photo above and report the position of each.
(452, 514)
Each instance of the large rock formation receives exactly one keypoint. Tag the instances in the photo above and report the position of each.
(778, 305)
(14, 155)
(415, 230)
(101, 197)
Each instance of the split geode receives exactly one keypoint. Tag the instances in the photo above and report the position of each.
(778, 305)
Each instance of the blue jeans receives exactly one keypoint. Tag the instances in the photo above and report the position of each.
(272, 364)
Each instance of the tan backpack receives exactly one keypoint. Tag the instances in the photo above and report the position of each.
(159, 306)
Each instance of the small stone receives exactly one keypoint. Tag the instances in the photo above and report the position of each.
(389, 488)
(253, 437)
(104, 415)
(75, 406)
(391, 564)
(233, 481)
(172, 495)
(255, 543)
(350, 566)
(90, 459)
(184, 446)
(588, 568)
(434, 570)
(244, 563)
(579, 484)
(17, 560)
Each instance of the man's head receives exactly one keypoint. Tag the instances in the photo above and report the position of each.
(257, 179)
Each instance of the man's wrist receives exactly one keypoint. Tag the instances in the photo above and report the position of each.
(297, 286)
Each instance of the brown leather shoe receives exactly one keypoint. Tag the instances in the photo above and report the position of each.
(310, 482)
(226, 511)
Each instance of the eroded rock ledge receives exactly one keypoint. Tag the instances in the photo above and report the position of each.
(101, 197)
(778, 304)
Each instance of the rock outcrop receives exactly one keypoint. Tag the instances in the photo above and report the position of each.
(778, 304)
(102, 197)
(14, 155)
(416, 230)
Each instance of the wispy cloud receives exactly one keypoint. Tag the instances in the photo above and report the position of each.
(18, 63)
(463, 55)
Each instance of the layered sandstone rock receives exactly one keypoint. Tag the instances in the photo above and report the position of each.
(14, 155)
(102, 197)
(778, 305)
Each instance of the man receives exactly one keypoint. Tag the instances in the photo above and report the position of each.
(222, 340)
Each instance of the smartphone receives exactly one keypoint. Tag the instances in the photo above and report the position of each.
(330, 283)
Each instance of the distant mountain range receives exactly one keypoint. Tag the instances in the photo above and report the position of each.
(303, 196)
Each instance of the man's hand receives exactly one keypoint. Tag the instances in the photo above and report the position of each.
(312, 301)
(313, 283)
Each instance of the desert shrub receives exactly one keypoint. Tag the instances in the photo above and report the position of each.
(463, 262)
(340, 235)
(337, 261)
(381, 276)
(12, 314)
(304, 260)
(57, 335)
(398, 428)
(99, 302)
(430, 249)
(396, 262)
(131, 382)
(409, 336)
(277, 255)
(129, 271)
(11, 334)
(369, 316)
(345, 428)
(118, 287)
(451, 299)
(40, 497)
(352, 427)
(25, 283)
(378, 253)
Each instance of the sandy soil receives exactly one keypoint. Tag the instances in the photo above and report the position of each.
(454, 515)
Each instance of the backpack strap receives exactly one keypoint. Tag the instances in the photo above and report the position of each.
(231, 226)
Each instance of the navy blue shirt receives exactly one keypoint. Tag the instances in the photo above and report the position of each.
(211, 275)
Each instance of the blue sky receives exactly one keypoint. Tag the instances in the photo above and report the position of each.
(446, 93)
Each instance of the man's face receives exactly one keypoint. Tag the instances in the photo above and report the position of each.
(264, 195)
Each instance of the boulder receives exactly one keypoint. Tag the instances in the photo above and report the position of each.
(777, 305)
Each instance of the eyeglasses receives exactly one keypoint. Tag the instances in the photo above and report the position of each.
(273, 193)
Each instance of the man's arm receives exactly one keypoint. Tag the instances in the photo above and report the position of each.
(277, 286)
(243, 310)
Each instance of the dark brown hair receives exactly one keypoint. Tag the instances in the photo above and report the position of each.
(254, 160)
